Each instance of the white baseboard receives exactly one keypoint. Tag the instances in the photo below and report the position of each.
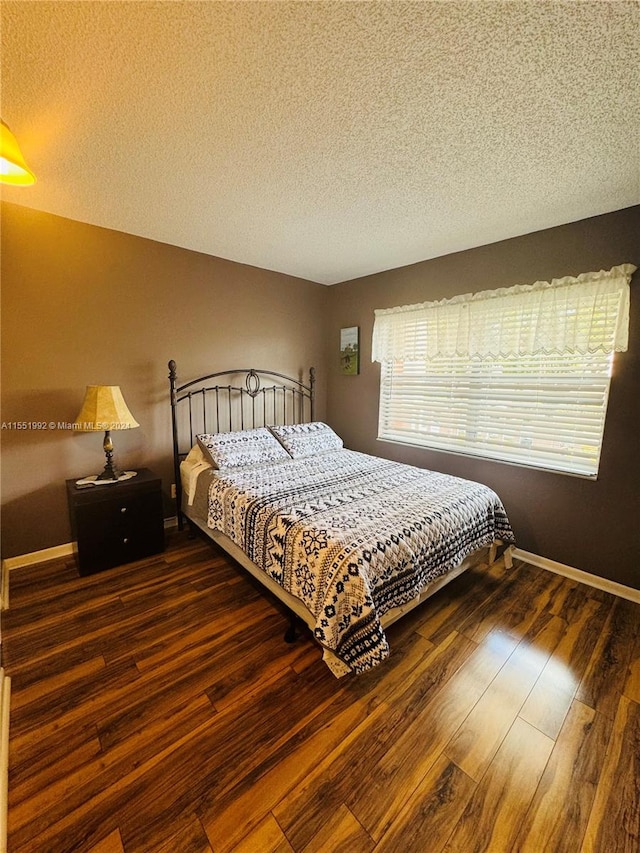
(604, 584)
(40, 556)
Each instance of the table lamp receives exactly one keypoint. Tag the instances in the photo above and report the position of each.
(104, 408)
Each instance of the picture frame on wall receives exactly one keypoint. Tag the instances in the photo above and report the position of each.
(350, 350)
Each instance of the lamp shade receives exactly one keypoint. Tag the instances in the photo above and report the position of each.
(104, 409)
(13, 169)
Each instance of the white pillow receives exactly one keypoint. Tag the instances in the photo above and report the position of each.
(241, 448)
(300, 440)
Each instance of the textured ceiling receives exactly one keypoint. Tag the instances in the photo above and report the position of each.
(327, 140)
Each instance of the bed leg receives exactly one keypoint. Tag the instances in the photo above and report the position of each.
(508, 557)
(492, 553)
(291, 634)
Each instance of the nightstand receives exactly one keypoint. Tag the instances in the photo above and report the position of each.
(116, 523)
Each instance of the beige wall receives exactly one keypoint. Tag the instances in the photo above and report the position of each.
(593, 526)
(84, 305)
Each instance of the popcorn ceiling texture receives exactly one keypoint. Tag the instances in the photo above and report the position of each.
(327, 140)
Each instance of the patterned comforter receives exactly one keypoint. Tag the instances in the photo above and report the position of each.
(353, 536)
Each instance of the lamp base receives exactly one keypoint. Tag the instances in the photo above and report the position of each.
(110, 473)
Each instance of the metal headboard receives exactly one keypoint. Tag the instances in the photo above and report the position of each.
(245, 399)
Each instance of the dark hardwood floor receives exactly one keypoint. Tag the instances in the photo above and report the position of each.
(156, 709)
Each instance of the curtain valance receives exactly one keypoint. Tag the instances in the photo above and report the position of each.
(586, 314)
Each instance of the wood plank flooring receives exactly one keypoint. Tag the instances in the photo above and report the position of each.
(156, 709)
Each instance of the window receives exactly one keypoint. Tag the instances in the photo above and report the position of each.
(518, 374)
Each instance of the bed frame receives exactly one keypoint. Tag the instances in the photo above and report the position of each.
(244, 399)
(230, 400)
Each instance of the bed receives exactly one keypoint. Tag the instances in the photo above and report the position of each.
(347, 541)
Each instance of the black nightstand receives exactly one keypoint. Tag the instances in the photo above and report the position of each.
(117, 522)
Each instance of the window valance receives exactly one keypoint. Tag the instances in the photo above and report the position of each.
(586, 314)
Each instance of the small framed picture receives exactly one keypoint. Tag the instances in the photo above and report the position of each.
(350, 350)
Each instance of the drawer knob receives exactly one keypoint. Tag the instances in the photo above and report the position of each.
(123, 509)
(124, 541)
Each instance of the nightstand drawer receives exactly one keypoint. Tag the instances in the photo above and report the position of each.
(115, 524)
(113, 516)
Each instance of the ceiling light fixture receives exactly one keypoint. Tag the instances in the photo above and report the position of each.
(13, 169)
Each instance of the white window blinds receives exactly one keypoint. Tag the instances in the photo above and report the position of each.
(519, 374)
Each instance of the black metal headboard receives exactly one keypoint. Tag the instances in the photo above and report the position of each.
(246, 399)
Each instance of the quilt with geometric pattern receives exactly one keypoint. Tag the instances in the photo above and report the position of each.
(353, 536)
